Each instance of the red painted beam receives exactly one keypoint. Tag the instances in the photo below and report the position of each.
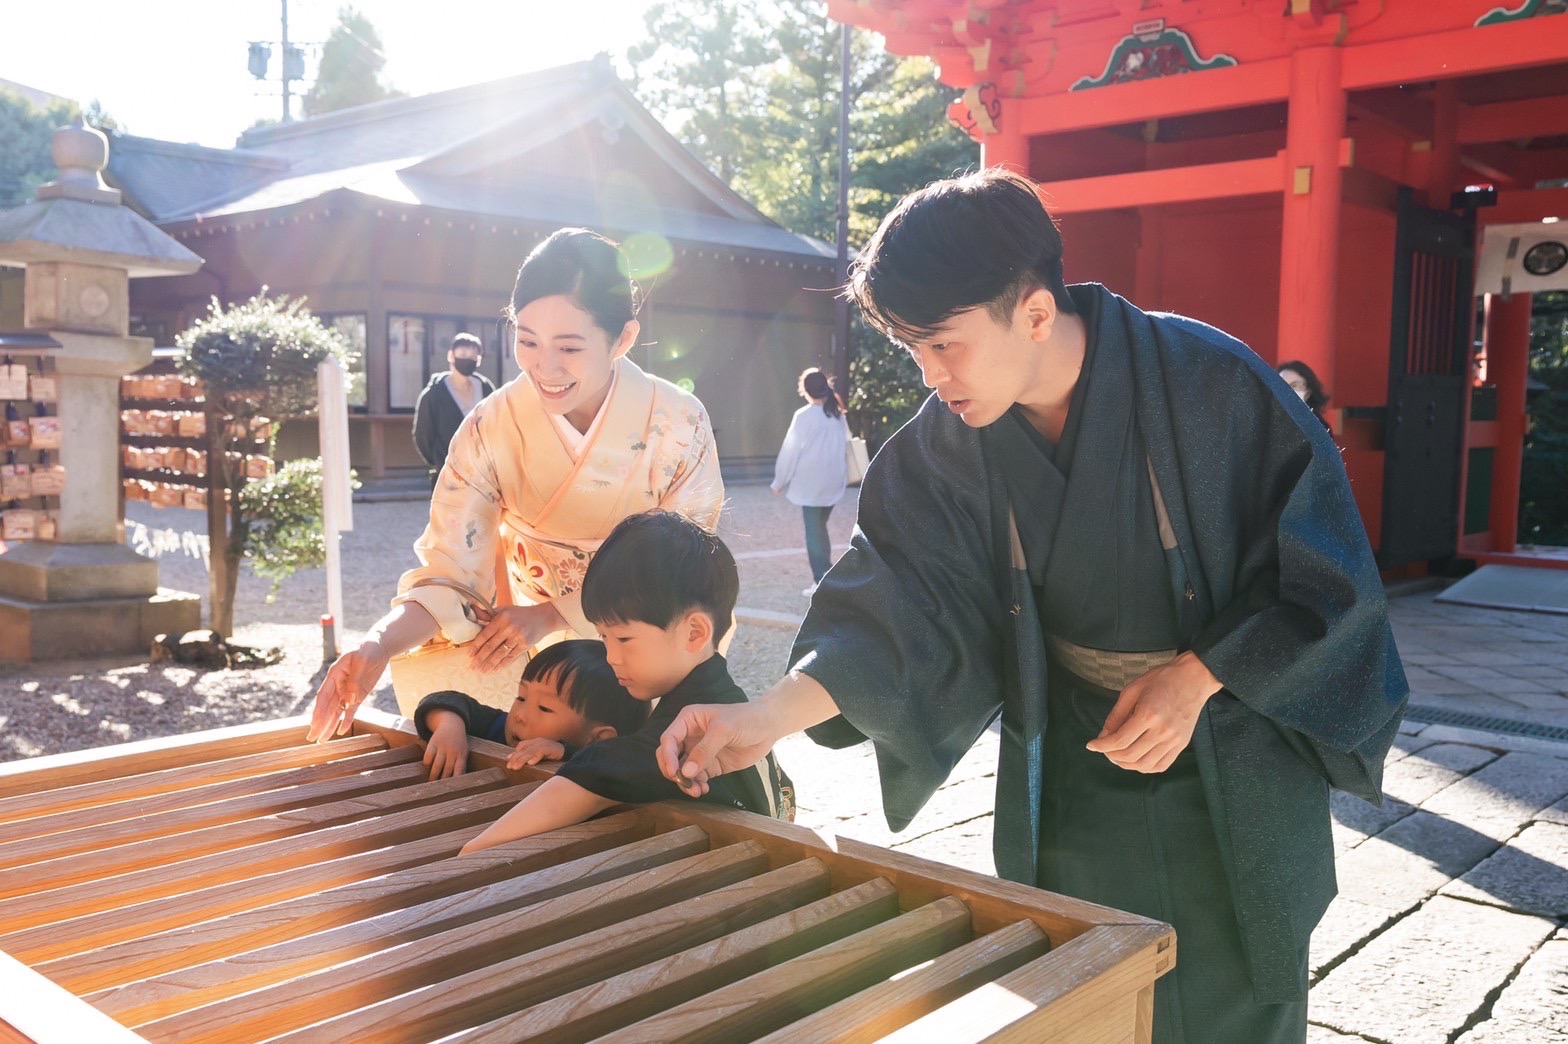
(1517, 205)
(1509, 121)
(1250, 177)
(1212, 90)
(1457, 52)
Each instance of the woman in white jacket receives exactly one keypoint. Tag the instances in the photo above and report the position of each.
(810, 468)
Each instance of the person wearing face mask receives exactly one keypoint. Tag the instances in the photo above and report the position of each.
(538, 474)
(447, 399)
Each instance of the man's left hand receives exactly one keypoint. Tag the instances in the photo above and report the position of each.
(1153, 719)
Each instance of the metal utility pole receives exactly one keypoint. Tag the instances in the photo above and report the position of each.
(841, 306)
(287, 116)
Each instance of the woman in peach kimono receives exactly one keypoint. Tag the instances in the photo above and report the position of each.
(541, 471)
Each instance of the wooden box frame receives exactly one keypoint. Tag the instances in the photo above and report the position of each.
(139, 875)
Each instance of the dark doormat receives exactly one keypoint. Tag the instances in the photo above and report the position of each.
(1524, 588)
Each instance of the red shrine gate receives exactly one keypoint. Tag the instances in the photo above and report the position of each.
(1295, 172)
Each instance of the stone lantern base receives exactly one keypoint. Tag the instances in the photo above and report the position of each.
(68, 601)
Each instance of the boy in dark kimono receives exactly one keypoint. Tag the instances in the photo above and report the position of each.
(1125, 535)
(661, 590)
(568, 698)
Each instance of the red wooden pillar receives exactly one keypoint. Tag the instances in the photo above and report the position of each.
(1443, 171)
(1507, 366)
(1006, 148)
(1310, 237)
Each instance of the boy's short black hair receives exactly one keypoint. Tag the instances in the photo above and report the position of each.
(578, 670)
(655, 566)
(984, 239)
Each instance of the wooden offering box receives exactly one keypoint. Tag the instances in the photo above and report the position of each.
(245, 885)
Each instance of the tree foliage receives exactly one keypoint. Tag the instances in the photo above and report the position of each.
(350, 70)
(26, 140)
(26, 131)
(285, 531)
(752, 87)
(1543, 482)
(257, 361)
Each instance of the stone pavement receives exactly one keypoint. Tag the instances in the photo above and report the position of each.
(1450, 923)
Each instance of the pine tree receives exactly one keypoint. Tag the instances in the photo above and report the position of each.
(350, 70)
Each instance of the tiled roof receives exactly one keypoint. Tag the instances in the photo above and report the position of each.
(456, 151)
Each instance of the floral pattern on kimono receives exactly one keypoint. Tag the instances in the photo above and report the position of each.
(510, 481)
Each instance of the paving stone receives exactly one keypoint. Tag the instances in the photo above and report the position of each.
(1410, 861)
(1411, 728)
(1406, 745)
(1528, 874)
(956, 803)
(1364, 817)
(1429, 770)
(1346, 924)
(1345, 838)
(1534, 1007)
(966, 845)
(1502, 742)
(1481, 677)
(1539, 670)
(1423, 978)
(1501, 798)
(1558, 813)
(1323, 1035)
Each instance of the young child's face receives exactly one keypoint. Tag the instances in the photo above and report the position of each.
(648, 661)
(541, 711)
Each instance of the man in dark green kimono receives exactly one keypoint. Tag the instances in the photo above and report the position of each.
(1125, 535)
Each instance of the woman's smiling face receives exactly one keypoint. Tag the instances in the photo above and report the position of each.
(568, 357)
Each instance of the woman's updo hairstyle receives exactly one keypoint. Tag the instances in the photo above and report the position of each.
(584, 266)
(814, 384)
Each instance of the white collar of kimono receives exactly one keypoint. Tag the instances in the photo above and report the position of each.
(575, 440)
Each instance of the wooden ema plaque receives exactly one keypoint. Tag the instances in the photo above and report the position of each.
(244, 885)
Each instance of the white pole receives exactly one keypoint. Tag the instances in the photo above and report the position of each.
(337, 512)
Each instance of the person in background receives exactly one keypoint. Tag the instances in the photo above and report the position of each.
(537, 475)
(447, 399)
(810, 469)
(1306, 385)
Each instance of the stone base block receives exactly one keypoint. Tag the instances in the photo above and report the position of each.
(44, 571)
(33, 630)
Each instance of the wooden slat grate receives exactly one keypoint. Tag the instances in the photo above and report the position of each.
(304, 892)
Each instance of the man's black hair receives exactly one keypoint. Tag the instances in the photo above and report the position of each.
(984, 239)
(578, 670)
(656, 566)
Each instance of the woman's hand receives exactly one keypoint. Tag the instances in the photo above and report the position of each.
(347, 684)
(508, 633)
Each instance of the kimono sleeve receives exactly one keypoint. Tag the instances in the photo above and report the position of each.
(696, 489)
(1305, 640)
(460, 539)
(906, 631)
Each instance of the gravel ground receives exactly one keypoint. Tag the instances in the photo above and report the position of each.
(73, 705)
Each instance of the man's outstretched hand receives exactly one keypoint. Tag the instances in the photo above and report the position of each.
(708, 740)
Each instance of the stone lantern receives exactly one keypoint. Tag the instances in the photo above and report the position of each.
(84, 592)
